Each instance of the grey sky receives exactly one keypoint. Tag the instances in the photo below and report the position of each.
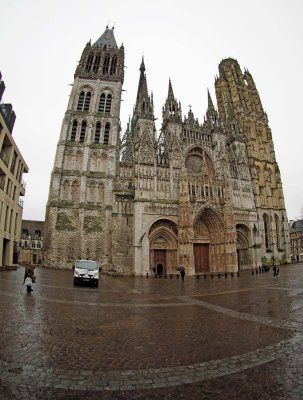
(41, 42)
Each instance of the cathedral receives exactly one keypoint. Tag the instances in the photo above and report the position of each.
(207, 196)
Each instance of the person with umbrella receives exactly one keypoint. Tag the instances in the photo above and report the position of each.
(181, 269)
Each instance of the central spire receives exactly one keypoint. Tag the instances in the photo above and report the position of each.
(144, 105)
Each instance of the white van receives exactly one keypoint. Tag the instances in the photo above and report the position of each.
(86, 271)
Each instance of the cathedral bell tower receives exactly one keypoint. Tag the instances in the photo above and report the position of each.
(80, 194)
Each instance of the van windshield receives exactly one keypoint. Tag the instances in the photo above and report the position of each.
(90, 265)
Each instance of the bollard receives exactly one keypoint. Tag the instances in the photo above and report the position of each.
(146, 274)
(171, 276)
(219, 276)
(155, 275)
(225, 275)
(211, 275)
(252, 272)
(238, 273)
(232, 274)
(165, 276)
(204, 276)
(178, 276)
(198, 276)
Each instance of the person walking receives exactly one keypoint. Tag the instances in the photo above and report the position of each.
(29, 277)
(182, 273)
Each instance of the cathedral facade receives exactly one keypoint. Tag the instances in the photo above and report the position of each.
(207, 196)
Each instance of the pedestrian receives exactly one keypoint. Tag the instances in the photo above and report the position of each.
(277, 271)
(29, 277)
(274, 271)
(182, 273)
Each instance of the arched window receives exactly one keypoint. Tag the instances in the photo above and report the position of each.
(277, 223)
(80, 101)
(266, 230)
(113, 66)
(96, 63)
(106, 133)
(105, 103)
(84, 101)
(108, 103)
(97, 132)
(106, 64)
(102, 103)
(89, 62)
(87, 101)
(82, 132)
(74, 131)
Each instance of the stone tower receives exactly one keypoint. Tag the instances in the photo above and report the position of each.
(78, 213)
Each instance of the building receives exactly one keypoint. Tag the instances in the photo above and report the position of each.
(12, 186)
(205, 195)
(296, 240)
(31, 243)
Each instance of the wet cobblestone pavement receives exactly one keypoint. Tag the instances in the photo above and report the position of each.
(145, 338)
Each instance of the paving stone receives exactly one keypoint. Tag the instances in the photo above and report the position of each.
(138, 338)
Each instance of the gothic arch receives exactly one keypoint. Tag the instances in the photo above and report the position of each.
(243, 245)
(163, 244)
(209, 241)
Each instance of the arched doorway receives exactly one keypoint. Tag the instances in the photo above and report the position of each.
(243, 246)
(163, 246)
(209, 241)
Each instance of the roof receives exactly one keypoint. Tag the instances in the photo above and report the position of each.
(297, 226)
(107, 39)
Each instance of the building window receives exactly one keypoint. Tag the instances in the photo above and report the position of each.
(113, 66)
(97, 132)
(266, 230)
(82, 132)
(89, 62)
(96, 63)
(84, 101)
(277, 231)
(106, 64)
(106, 133)
(108, 103)
(105, 103)
(74, 131)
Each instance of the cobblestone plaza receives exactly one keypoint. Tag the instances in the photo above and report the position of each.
(152, 338)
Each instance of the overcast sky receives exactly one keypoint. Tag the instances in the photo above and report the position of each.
(42, 41)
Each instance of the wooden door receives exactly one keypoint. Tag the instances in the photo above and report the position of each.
(201, 255)
(160, 261)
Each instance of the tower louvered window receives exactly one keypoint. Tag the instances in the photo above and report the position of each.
(97, 132)
(113, 66)
(106, 133)
(89, 62)
(84, 101)
(83, 131)
(105, 103)
(74, 131)
(108, 103)
(87, 101)
(106, 64)
(102, 103)
(80, 101)
(96, 63)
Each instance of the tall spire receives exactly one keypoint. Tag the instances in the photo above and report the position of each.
(172, 109)
(144, 104)
(211, 113)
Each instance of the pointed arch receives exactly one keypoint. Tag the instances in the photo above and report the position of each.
(106, 133)
(266, 231)
(83, 131)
